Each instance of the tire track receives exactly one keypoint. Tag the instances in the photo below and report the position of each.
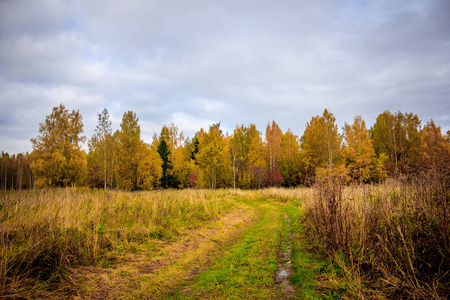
(284, 269)
(165, 268)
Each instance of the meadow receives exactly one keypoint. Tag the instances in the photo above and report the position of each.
(358, 241)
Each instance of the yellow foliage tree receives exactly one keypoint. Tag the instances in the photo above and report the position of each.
(127, 152)
(289, 161)
(321, 143)
(273, 145)
(257, 162)
(149, 168)
(57, 158)
(101, 153)
(240, 147)
(358, 152)
(213, 158)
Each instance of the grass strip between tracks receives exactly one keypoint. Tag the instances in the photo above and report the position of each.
(246, 271)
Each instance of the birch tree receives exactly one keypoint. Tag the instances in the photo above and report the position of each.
(57, 157)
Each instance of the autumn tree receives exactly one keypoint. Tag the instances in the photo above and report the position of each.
(332, 138)
(273, 153)
(25, 174)
(397, 136)
(5, 170)
(240, 147)
(257, 163)
(311, 144)
(101, 151)
(289, 164)
(6, 175)
(149, 169)
(273, 145)
(307, 171)
(137, 164)
(176, 138)
(359, 153)
(15, 171)
(94, 164)
(321, 142)
(213, 158)
(57, 158)
(236, 145)
(127, 152)
(435, 149)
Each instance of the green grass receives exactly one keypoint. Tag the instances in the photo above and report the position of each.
(247, 270)
(305, 268)
(314, 277)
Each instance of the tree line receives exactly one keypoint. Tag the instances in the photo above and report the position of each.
(396, 145)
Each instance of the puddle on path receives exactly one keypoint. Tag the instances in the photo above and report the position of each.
(284, 269)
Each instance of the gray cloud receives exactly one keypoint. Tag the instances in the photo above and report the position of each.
(195, 63)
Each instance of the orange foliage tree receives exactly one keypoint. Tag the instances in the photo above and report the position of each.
(435, 149)
(358, 151)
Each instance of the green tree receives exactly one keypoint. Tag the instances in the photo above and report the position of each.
(57, 158)
(189, 169)
(165, 154)
(191, 148)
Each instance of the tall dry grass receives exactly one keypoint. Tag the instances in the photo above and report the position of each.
(301, 194)
(44, 232)
(393, 236)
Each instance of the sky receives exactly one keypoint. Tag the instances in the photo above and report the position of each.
(196, 63)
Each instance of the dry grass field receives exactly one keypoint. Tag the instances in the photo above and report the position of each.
(362, 241)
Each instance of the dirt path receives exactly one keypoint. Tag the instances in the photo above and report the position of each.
(167, 266)
(252, 265)
(240, 255)
(284, 263)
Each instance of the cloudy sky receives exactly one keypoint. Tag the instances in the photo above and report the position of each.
(195, 63)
